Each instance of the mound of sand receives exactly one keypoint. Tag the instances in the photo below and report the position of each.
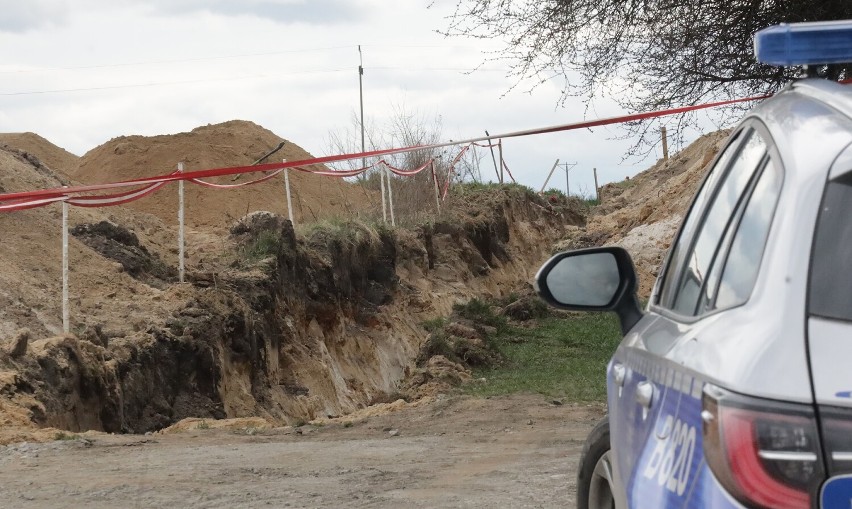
(233, 143)
(56, 158)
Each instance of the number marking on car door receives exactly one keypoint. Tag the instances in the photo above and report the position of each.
(672, 457)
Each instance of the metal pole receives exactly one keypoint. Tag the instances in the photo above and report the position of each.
(361, 94)
(548, 176)
(567, 182)
(491, 147)
(181, 232)
(390, 198)
(665, 143)
(287, 186)
(500, 153)
(66, 315)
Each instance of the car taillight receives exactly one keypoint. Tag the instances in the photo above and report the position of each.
(764, 453)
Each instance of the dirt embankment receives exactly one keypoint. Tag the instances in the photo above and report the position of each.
(275, 323)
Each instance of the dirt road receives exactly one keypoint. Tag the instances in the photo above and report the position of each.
(516, 451)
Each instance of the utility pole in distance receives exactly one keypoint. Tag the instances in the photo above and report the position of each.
(361, 94)
(363, 146)
(568, 167)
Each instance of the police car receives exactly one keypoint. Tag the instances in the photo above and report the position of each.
(733, 387)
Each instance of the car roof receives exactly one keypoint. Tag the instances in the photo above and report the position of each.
(810, 122)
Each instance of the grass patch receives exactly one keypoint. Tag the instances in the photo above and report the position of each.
(479, 311)
(560, 358)
(61, 435)
(434, 324)
(264, 245)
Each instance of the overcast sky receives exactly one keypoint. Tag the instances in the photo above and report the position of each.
(80, 73)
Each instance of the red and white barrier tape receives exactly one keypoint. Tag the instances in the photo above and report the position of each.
(241, 184)
(30, 199)
(404, 173)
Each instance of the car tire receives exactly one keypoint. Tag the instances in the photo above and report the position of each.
(594, 478)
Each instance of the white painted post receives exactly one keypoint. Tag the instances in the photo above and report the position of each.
(390, 197)
(437, 191)
(384, 206)
(66, 314)
(665, 143)
(181, 232)
(287, 185)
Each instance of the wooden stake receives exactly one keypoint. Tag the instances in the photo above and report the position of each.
(548, 176)
(597, 191)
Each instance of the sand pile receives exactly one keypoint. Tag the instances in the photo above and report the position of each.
(56, 158)
(233, 143)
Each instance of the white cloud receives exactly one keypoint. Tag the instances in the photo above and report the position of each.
(140, 71)
(315, 12)
(29, 15)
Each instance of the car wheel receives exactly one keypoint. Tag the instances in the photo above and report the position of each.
(594, 479)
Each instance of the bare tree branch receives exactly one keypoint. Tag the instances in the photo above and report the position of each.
(645, 54)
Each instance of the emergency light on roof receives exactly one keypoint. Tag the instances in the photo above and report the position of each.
(814, 43)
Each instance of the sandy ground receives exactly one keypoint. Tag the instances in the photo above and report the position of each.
(516, 451)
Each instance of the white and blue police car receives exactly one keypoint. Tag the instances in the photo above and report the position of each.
(733, 387)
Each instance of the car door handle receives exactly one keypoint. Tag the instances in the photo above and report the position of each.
(619, 373)
(645, 396)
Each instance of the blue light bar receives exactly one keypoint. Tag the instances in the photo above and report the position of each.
(815, 43)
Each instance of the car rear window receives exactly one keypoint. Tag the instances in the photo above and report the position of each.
(830, 293)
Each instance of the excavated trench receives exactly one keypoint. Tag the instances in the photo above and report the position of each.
(309, 325)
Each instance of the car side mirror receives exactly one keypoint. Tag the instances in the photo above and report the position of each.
(596, 279)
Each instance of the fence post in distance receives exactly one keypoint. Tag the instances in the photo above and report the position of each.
(390, 197)
(287, 187)
(181, 232)
(66, 315)
(437, 192)
(548, 176)
(597, 190)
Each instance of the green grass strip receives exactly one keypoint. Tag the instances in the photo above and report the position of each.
(561, 358)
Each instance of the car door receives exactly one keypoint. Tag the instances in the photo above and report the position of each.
(661, 398)
(830, 330)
